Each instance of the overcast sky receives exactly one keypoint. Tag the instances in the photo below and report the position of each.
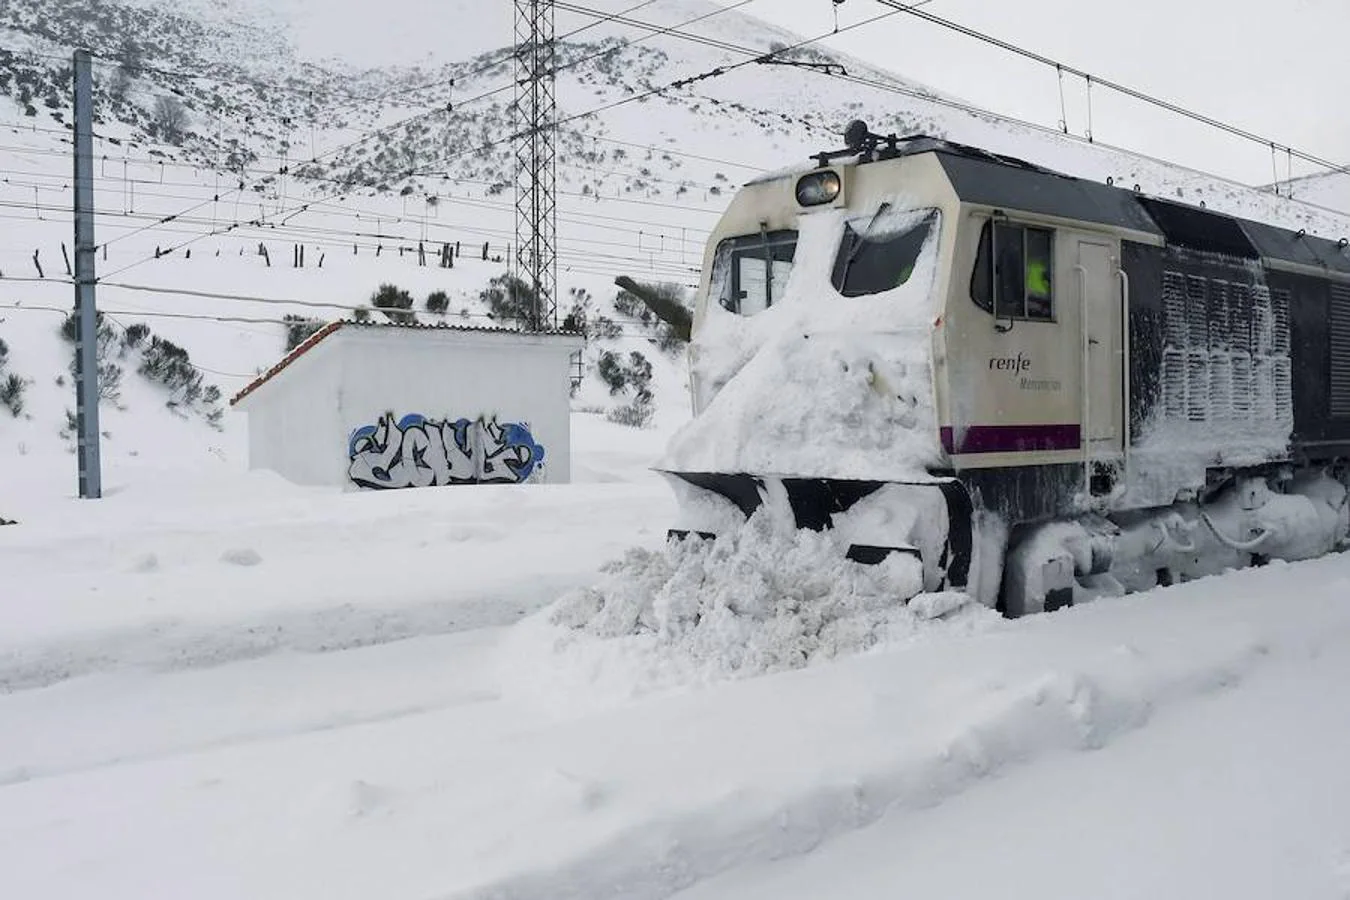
(1280, 68)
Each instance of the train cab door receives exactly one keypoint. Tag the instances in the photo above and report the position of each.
(1103, 364)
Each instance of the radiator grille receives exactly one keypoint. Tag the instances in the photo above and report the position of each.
(1240, 318)
(1242, 387)
(1197, 312)
(1279, 309)
(1174, 309)
(1197, 386)
(1263, 322)
(1219, 326)
(1339, 339)
(1221, 385)
(1226, 352)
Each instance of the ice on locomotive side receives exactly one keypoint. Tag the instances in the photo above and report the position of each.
(1042, 388)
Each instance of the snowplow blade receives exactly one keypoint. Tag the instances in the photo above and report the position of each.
(930, 519)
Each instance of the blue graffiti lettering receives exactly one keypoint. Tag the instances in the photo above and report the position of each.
(419, 452)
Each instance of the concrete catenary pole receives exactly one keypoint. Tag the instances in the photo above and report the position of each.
(86, 332)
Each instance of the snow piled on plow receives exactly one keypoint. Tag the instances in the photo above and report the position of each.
(819, 384)
(853, 406)
(814, 385)
(765, 599)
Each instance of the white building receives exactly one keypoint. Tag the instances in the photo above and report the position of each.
(388, 406)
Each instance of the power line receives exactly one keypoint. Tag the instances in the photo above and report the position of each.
(879, 85)
(327, 237)
(1112, 85)
(291, 211)
(242, 319)
(240, 170)
(150, 314)
(448, 199)
(657, 30)
(981, 112)
(164, 220)
(656, 230)
(673, 152)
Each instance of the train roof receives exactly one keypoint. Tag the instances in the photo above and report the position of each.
(993, 182)
(990, 179)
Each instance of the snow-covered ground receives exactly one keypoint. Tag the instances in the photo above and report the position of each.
(214, 684)
(1239, 795)
(187, 571)
(253, 690)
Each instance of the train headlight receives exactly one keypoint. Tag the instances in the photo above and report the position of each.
(818, 188)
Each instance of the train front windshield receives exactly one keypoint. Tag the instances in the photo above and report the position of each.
(879, 253)
(873, 254)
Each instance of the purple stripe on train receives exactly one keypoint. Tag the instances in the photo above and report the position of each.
(1012, 438)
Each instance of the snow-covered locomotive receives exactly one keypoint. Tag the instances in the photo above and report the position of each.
(1043, 388)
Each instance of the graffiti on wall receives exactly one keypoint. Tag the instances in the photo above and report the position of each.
(419, 452)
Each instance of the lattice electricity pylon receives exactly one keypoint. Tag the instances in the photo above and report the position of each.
(536, 158)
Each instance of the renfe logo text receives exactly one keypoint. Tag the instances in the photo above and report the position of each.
(1014, 364)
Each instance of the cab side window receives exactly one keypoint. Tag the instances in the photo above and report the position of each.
(750, 273)
(1014, 272)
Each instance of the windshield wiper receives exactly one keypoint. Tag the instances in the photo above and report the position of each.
(859, 242)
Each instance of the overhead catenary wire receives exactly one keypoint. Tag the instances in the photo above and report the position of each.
(914, 9)
(575, 258)
(1036, 126)
(658, 230)
(448, 199)
(885, 86)
(163, 220)
(272, 171)
(1119, 88)
(341, 239)
(273, 320)
(153, 314)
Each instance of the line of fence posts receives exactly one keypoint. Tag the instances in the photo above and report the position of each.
(448, 253)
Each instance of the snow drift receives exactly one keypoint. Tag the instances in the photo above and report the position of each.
(766, 598)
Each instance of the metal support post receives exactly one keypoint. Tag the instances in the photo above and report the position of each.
(536, 157)
(86, 332)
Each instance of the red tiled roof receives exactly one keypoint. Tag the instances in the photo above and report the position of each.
(300, 350)
(309, 343)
